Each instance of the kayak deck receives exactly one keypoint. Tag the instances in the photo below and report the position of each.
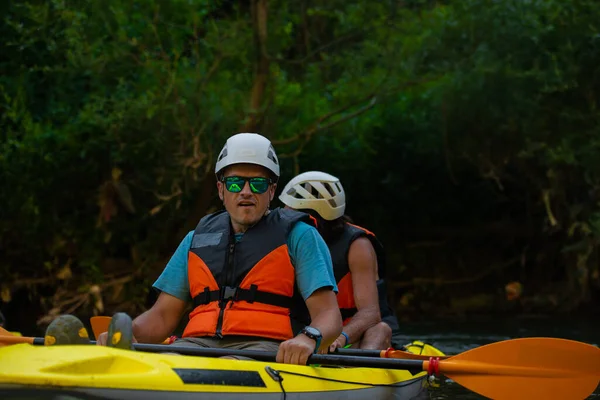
(106, 372)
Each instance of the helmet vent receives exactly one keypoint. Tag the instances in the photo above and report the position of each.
(292, 192)
(332, 203)
(329, 188)
(312, 190)
(337, 185)
(271, 156)
(223, 154)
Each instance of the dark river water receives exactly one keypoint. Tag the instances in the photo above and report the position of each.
(456, 336)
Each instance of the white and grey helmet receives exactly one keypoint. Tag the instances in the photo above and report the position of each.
(316, 191)
(248, 148)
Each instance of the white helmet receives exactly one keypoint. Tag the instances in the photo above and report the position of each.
(316, 191)
(248, 148)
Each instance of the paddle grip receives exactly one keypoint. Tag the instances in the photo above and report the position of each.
(357, 352)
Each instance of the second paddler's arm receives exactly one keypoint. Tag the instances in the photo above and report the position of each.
(362, 261)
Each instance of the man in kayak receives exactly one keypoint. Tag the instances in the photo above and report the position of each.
(248, 271)
(357, 261)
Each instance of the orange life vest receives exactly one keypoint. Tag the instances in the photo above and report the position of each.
(339, 249)
(244, 288)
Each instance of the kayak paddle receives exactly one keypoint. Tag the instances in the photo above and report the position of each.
(389, 353)
(7, 338)
(99, 325)
(525, 368)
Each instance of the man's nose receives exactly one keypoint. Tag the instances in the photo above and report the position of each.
(246, 189)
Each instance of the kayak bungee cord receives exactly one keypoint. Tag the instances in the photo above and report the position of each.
(275, 374)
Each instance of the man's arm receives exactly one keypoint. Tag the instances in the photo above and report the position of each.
(314, 276)
(156, 324)
(159, 322)
(362, 261)
(325, 315)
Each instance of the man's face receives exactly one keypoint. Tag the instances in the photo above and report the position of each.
(246, 207)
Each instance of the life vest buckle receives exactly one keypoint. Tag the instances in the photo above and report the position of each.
(229, 293)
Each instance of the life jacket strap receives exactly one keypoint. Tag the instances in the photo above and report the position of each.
(229, 293)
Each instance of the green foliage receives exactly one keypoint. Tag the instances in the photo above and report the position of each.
(504, 129)
(432, 113)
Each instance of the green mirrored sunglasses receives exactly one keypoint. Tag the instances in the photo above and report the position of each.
(235, 184)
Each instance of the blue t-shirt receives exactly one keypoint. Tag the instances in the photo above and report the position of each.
(308, 252)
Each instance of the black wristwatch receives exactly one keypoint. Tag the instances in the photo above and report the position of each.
(314, 334)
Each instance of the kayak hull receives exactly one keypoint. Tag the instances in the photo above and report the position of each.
(414, 391)
(98, 372)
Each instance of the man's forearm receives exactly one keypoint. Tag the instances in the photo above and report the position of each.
(329, 323)
(150, 327)
(360, 322)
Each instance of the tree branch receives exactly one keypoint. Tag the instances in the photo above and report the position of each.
(318, 127)
(318, 50)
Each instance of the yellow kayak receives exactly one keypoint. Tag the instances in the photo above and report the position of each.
(88, 371)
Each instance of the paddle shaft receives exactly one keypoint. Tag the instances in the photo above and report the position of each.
(358, 352)
(323, 359)
(391, 353)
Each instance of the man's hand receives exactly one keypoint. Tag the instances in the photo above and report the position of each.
(296, 350)
(337, 343)
(103, 337)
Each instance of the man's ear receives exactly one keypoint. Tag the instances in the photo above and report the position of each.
(220, 190)
(272, 192)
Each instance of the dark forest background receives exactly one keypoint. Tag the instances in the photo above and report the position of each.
(465, 132)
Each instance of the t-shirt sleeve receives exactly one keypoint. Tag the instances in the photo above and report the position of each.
(174, 278)
(311, 258)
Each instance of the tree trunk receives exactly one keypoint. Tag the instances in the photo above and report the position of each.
(261, 73)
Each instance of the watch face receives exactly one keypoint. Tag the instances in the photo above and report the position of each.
(312, 331)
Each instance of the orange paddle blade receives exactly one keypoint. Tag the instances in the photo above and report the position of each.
(527, 368)
(12, 339)
(4, 332)
(99, 325)
(7, 338)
